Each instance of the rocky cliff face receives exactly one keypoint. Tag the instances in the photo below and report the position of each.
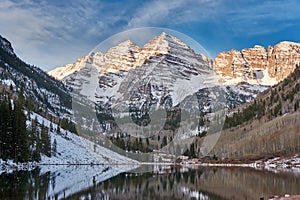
(258, 65)
(165, 61)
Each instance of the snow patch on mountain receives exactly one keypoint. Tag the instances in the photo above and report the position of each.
(73, 149)
(262, 79)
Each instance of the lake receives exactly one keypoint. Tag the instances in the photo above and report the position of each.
(147, 182)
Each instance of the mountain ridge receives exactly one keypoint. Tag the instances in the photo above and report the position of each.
(157, 45)
(180, 68)
(38, 85)
(258, 65)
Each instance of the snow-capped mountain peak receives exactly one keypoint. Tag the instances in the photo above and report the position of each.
(160, 74)
(162, 44)
(126, 56)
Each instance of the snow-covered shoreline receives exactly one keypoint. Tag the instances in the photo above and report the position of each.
(10, 166)
(291, 164)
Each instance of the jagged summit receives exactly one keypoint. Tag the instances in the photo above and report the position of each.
(125, 45)
(168, 60)
(126, 56)
(258, 65)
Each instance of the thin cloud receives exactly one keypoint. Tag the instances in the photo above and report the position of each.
(35, 28)
(263, 17)
(174, 12)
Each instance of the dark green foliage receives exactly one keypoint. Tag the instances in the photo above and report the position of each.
(119, 142)
(254, 110)
(274, 105)
(58, 130)
(190, 152)
(202, 134)
(68, 125)
(46, 141)
(16, 142)
(42, 79)
(126, 144)
(14, 137)
(21, 151)
(296, 106)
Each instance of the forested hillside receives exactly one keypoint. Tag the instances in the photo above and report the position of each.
(49, 93)
(266, 127)
(20, 142)
(279, 100)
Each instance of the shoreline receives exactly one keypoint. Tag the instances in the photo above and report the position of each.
(279, 163)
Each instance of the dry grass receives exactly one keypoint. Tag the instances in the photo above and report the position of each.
(260, 139)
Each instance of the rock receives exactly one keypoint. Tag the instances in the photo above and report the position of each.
(275, 63)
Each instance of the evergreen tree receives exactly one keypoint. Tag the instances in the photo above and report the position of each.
(54, 147)
(46, 141)
(21, 152)
(51, 127)
(58, 130)
(4, 127)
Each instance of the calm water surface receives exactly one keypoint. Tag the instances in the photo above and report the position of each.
(146, 182)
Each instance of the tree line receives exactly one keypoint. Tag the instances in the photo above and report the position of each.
(17, 142)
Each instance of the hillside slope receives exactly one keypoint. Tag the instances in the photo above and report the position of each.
(48, 93)
(266, 127)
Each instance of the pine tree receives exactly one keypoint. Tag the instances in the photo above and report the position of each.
(164, 142)
(54, 147)
(4, 120)
(21, 153)
(51, 127)
(10, 134)
(58, 130)
(46, 141)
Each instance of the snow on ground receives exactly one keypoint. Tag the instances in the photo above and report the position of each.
(194, 194)
(266, 80)
(73, 149)
(282, 164)
(278, 164)
(8, 82)
(183, 88)
(70, 177)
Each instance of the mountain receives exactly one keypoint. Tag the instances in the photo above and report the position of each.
(266, 127)
(174, 69)
(48, 93)
(130, 81)
(258, 65)
(165, 74)
(164, 57)
(36, 117)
